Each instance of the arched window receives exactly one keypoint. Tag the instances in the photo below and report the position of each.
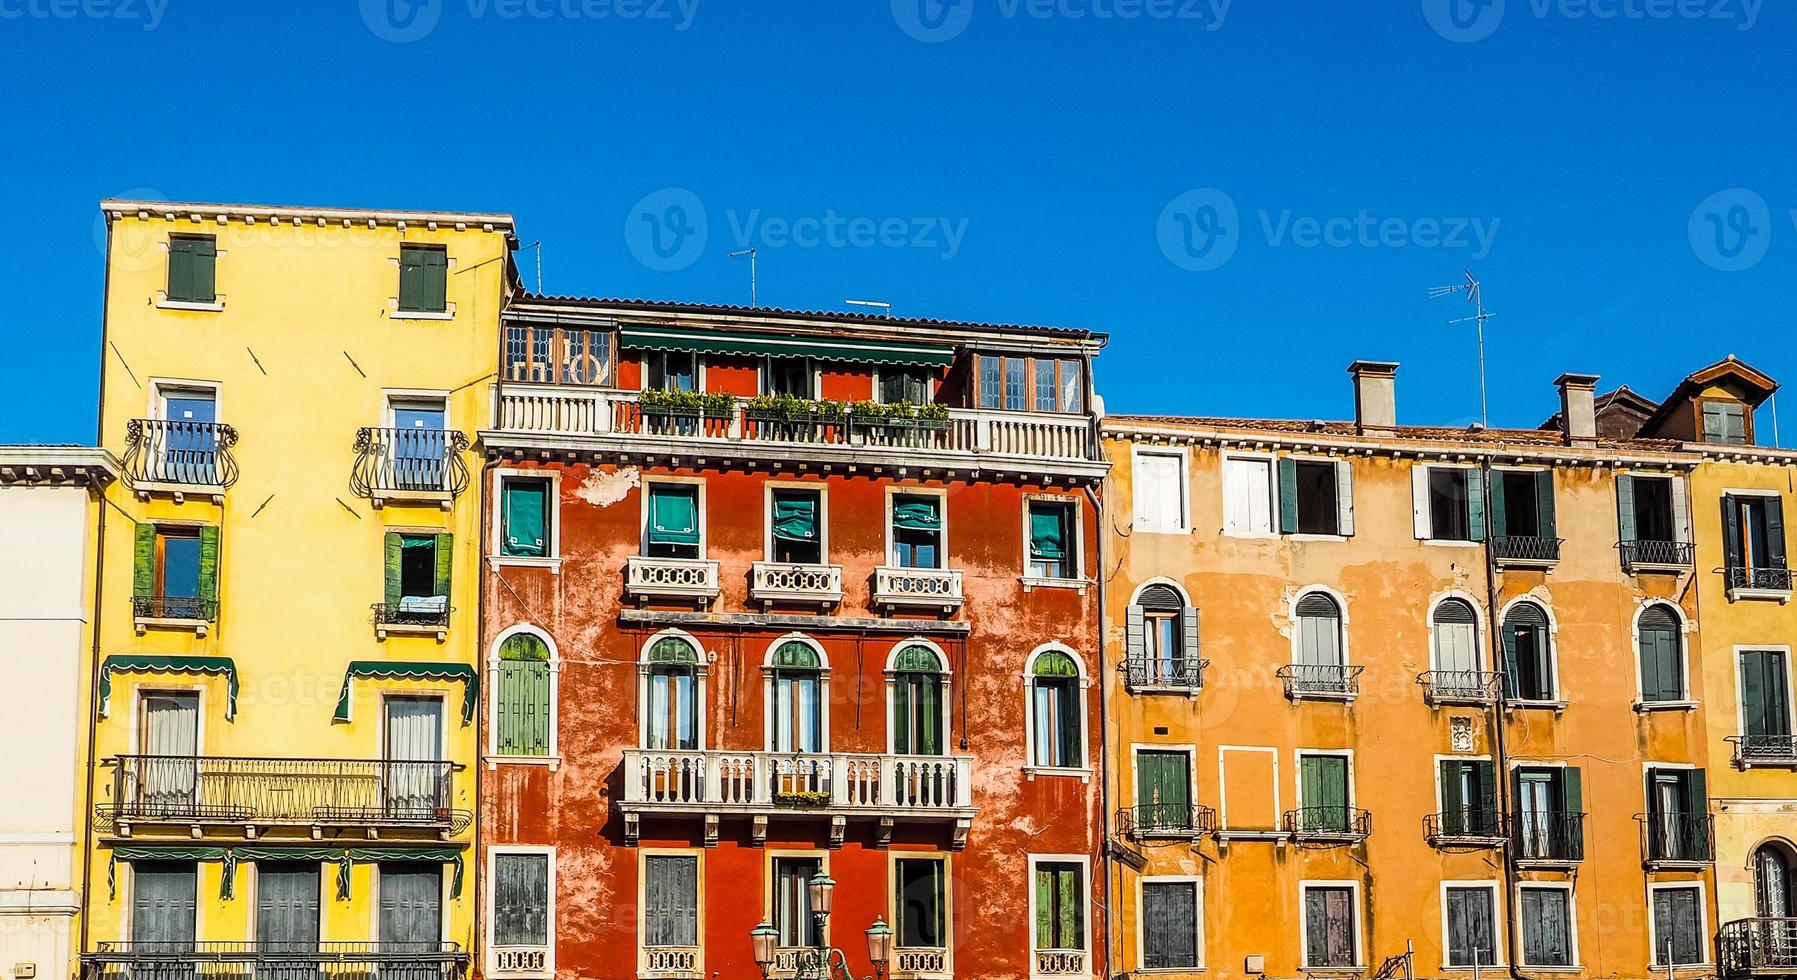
(796, 704)
(1163, 639)
(523, 700)
(671, 681)
(1659, 642)
(1319, 631)
(1528, 654)
(1057, 736)
(917, 701)
(1772, 888)
(1456, 637)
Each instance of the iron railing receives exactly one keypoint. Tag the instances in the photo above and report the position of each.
(1764, 750)
(1677, 837)
(1460, 686)
(1748, 577)
(174, 607)
(213, 960)
(1157, 672)
(398, 461)
(1549, 836)
(716, 780)
(1166, 820)
(426, 614)
(1320, 680)
(1757, 947)
(1526, 548)
(1332, 824)
(172, 452)
(1463, 826)
(207, 789)
(1676, 553)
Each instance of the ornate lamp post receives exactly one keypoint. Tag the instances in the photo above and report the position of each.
(822, 962)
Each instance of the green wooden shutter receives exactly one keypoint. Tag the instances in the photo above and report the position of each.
(1625, 507)
(1485, 778)
(1775, 531)
(143, 557)
(1475, 505)
(394, 547)
(1045, 911)
(1512, 679)
(1652, 684)
(1500, 522)
(209, 563)
(180, 270)
(901, 714)
(1452, 801)
(445, 562)
(1288, 495)
(1763, 707)
(1697, 792)
(1316, 923)
(524, 707)
(1544, 504)
(1572, 792)
(929, 705)
(204, 277)
(435, 279)
(1731, 532)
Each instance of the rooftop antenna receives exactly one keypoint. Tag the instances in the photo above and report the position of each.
(1475, 295)
(873, 303)
(537, 247)
(739, 253)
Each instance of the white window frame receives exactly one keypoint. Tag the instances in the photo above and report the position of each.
(818, 487)
(1685, 631)
(397, 259)
(1085, 912)
(162, 388)
(553, 759)
(1083, 687)
(642, 902)
(1353, 885)
(700, 502)
(891, 672)
(1480, 644)
(701, 672)
(1497, 923)
(492, 863)
(941, 494)
(1735, 681)
(1136, 452)
(1572, 924)
(1705, 945)
(1230, 486)
(552, 518)
(1298, 756)
(1075, 520)
(767, 691)
(1558, 701)
(394, 399)
(1422, 511)
(1197, 881)
(948, 902)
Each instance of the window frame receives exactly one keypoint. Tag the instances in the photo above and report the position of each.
(1441, 791)
(1076, 541)
(768, 879)
(1703, 402)
(698, 370)
(642, 901)
(818, 487)
(1495, 906)
(1348, 794)
(1187, 749)
(1231, 486)
(1359, 923)
(1480, 644)
(891, 532)
(764, 375)
(556, 358)
(1426, 506)
(1572, 925)
(1183, 483)
(1687, 697)
(1705, 948)
(398, 310)
(1558, 700)
(944, 707)
(166, 301)
(1341, 623)
(699, 504)
(701, 674)
(491, 906)
(1142, 883)
(552, 531)
(1790, 684)
(491, 741)
(948, 901)
(1343, 517)
(768, 693)
(977, 388)
(1082, 692)
(931, 381)
(1085, 911)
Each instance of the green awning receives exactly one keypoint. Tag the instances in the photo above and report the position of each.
(916, 514)
(146, 663)
(1048, 533)
(704, 341)
(673, 515)
(342, 856)
(414, 671)
(795, 517)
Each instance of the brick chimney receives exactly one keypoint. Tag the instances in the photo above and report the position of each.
(1578, 408)
(1375, 396)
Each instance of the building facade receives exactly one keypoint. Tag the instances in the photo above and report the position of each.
(284, 727)
(49, 510)
(773, 596)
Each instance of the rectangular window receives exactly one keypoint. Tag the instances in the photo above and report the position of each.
(169, 733)
(1017, 383)
(792, 903)
(1170, 925)
(1163, 791)
(1546, 926)
(417, 577)
(901, 384)
(673, 524)
(1247, 496)
(417, 566)
(192, 269)
(916, 531)
(1471, 926)
(525, 511)
(1329, 926)
(1044, 400)
(1060, 905)
(178, 571)
(1678, 926)
(797, 527)
(1522, 504)
(1550, 815)
(1313, 496)
(1647, 504)
(1678, 804)
(536, 354)
(921, 903)
(418, 456)
(673, 708)
(1051, 544)
(1022, 383)
(670, 900)
(1160, 492)
(411, 904)
(1725, 423)
(1753, 534)
(1449, 504)
(1469, 799)
(520, 899)
(787, 376)
(164, 904)
(1323, 793)
(423, 279)
(416, 780)
(1073, 387)
(1765, 704)
(287, 906)
(670, 370)
(991, 391)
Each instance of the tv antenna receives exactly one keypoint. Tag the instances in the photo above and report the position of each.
(739, 253)
(885, 308)
(1475, 295)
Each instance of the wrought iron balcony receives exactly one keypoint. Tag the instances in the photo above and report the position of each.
(1637, 555)
(1549, 837)
(1525, 550)
(202, 790)
(799, 583)
(925, 588)
(1164, 674)
(179, 457)
(409, 465)
(1147, 820)
(670, 578)
(1466, 828)
(1764, 750)
(1677, 838)
(1328, 824)
(214, 960)
(1759, 947)
(173, 608)
(1460, 686)
(1746, 582)
(412, 614)
(1334, 682)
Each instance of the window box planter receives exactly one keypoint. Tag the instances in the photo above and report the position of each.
(802, 799)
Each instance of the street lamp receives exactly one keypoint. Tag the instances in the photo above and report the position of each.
(822, 961)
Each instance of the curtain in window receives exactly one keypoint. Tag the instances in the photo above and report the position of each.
(1169, 925)
(1057, 722)
(671, 900)
(917, 713)
(1319, 631)
(673, 515)
(525, 528)
(673, 708)
(521, 899)
(798, 716)
(414, 746)
(792, 904)
(171, 737)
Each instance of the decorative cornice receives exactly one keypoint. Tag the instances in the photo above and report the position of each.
(116, 210)
(57, 466)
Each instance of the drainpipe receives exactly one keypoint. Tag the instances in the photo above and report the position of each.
(1104, 727)
(1500, 764)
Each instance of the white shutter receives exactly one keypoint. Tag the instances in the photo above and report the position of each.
(1681, 511)
(1344, 497)
(1173, 493)
(1247, 497)
(1259, 475)
(1158, 492)
(1419, 500)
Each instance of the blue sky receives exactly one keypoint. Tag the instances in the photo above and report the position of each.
(1247, 196)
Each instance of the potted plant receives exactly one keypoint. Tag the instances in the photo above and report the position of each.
(718, 404)
(932, 416)
(901, 415)
(808, 798)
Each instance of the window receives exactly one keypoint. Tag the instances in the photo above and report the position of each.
(1315, 496)
(1550, 814)
(287, 906)
(1469, 799)
(672, 530)
(1060, 905)
(916, 530)
(670, 370)
(520, 899)
(169, 732)
(1725, 423)
(1678, 926)
(1247, 496)
(1456, 629)
(1021, 383)
(1163, 791)
(904, 384)
(1773, 897)
(411, 905)
(1471, 925)
(1450, 503)
(524, 705)
(1659, 642)
(423, 279)
(414, 776)
(1057, 733)
(1330, 931)
(175, 572)
(917, 701)
(1678, 808)
(670, 900)
(1319, 631)
(1753, 535)
(796, 714)
(1163, 639)
(797, 530)
(417, 577)
(920, 903)
(536, 354)
(672, 717)
(1653, 517)
(164, 904)
(526, 513)
(791, 903)
(1170, 925)
(1522, 504)
(1546, 926)
(1160, 492)
(1323, 794)
(187, 450)
(1765, 705)
(1528, 655)
(192, 269)
(1053, 541)
(787, 376)
(419, 454)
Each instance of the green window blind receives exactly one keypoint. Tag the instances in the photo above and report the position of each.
(795, 516)
(917, 714)
(674, 515)
(393, 548)
(525, 512)
(192, 269)
(1163, 789)
(1764, 708)
(523, 708)
(917, 513)
(1048, 532)
(423, 279)
(1323, 781)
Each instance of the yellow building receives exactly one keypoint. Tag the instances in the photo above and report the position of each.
(284, 744)
(1389, 698)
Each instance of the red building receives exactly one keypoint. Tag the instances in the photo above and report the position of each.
(772, 593)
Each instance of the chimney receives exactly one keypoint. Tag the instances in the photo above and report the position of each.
(1375, 396)
(1578, 408)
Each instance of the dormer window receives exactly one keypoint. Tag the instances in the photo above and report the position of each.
(1725, 423)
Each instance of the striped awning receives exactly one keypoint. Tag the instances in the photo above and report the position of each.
(701, 341)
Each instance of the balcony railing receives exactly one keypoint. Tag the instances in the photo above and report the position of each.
(214, 960)
(1338, 682)
(1764, 750)
(1525, 550)
(1466, 827)
(174, 455)
(1060, 963)
(670, 578)
(919, 962)
(1155, 673)
(1328, 824)
(409, 464)
(532, 961)
(1657, 554)
(1750, 580)
(1677, 838)
(773, 581)
(929, 588)
(1549, 837)
(1166, 820)
(1460, 686)
(172, 789)
(412, 614)
(173, 607)
(1761, 947)
(670, 961)
(685, 780)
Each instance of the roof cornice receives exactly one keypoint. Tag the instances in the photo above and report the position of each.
(250, 213)
(57, 466)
